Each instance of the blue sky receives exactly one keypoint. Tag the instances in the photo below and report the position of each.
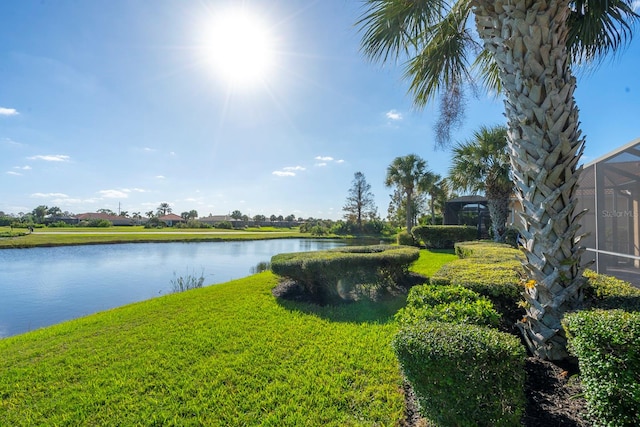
(120, 104)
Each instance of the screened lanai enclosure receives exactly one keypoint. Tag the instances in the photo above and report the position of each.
(610, 190)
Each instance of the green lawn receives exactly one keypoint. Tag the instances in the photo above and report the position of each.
(229, 354)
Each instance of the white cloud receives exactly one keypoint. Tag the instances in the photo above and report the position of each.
(14, 173)
(8, 111)
(394, 115)
(340, 161)
(636, 6)
(160, 176)
(113, 194)
(294, 168)
(148, 150)
(24, 168)
(10, 141)
(324, 158)
(49, 195)
(321, 164)
(134, 190)
(51, 158)
(283, 173)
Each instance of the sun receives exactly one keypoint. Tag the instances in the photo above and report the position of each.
(239, 47)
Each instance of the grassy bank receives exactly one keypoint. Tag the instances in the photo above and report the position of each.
(88, 236)
(229, 354)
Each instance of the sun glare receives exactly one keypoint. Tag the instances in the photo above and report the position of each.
(240, 48)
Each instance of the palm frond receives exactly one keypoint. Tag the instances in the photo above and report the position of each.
(487, 68)
(599, 27)
(393, 28)
(442, 59)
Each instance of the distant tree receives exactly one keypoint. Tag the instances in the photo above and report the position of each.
(54, 211)
(482, 164)
(244, 218)
(259, 218)
(184, 215)
(149, 214)
(273, 218)
(106, 211)
(163, 209)
(360, 201)
(280, 218)
(193, 214)
(237, 215)
(409, 174)
(39, 213)
(124, 214)
(397, 209)
(290, 218)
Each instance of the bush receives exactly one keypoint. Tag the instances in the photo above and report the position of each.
(447, 304)
(406, 239)
(607, 292)
(225, 225)
(606, 344)
(99, 223)
(464, 375)
(348, 272)
(443, 236)
(154, 223)
(185, 283)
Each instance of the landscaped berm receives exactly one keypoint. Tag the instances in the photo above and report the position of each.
(236, 355)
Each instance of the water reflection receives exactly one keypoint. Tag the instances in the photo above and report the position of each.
(43, 286)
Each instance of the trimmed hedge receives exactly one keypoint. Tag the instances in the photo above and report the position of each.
(607, 345)
(608, 292)
(462, 374)
(490, 269)
(447, 304)
(443, 236)
(405, 238)
(339, 274)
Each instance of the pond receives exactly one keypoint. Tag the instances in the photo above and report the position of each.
(43, 286)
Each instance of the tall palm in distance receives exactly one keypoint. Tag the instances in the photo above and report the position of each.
(528, 50)
(481, 164)
(410, 175)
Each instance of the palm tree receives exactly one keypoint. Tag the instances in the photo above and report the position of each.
(482, 164)
(410, 175)
(164, 209)
(528, 50)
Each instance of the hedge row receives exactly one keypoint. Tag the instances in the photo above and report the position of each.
(462, 372)
(449, 304)
(443, 236)
(339, 274)
(607, 344)
(607, 292)
(490, 269)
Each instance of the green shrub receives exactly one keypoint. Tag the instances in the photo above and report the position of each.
(185, 283)
(406, 239)
(443, 236)
(464, 375)
(447, 304)
(225, 225)
(99, 223)
(607, 345)
(155, 222)
(343, 273)
(607, 292)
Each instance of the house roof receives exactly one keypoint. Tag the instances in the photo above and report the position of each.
(468, 199)
(98, 215)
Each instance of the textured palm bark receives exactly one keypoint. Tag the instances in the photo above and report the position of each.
(528, 39)
(498, 203)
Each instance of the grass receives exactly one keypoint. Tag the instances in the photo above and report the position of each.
(432, 260)
(229, 354)
(85, 236)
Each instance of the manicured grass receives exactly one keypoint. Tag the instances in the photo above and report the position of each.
(84, 236)
(432, 260)
(229, 354)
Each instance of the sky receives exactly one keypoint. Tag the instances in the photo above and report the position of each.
(124, 105)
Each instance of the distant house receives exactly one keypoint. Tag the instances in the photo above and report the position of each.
(171, 219)
(113, 219)
(216, 219)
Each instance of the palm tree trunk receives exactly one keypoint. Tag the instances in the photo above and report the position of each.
(498, 202)
(528, 39)
(409, 219)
